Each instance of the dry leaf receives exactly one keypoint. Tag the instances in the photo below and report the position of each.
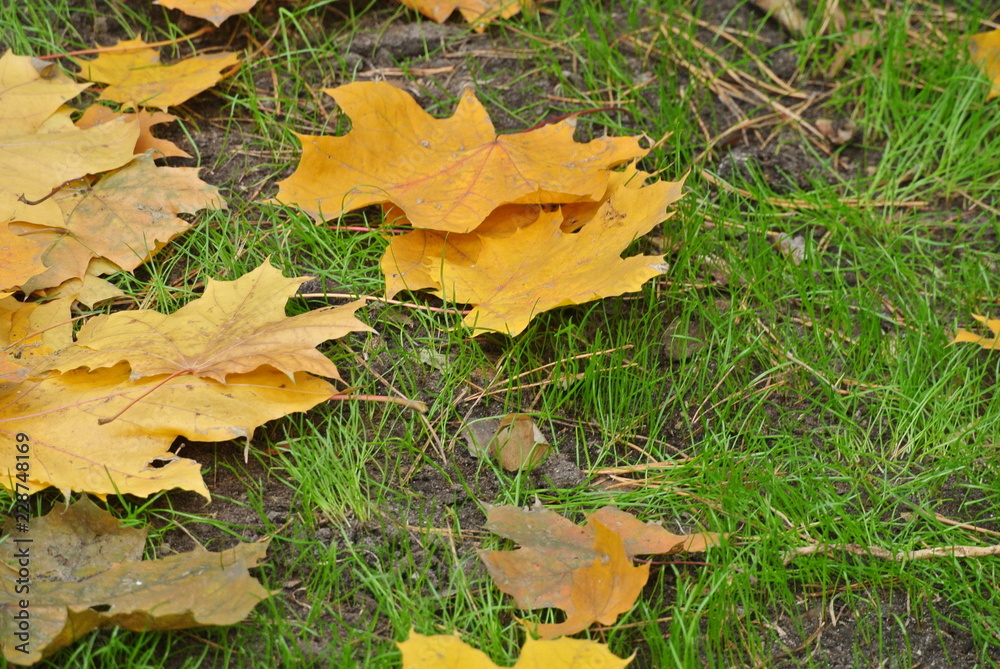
(519, 444)
(602, 591)
(87, 573)
(97, 114)
(989, 343)
(215, 11)
(784, 12)
(540, 574)
(512, 273)
(476, 12)
(78, 444)
(450, 652)
(134, 74)
(40, 148)
(445, 174)
(235, 327)
(985, 51)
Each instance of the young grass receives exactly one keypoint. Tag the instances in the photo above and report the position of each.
(796, 401)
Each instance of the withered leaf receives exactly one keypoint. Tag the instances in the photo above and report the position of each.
(989, 343)
(134, 74)
(235, 327)
(105, 584)
(215, 11)
(476, 12)
(445, 174)
(449, 651)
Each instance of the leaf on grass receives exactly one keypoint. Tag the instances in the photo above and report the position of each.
(540, 574)
(215, 11)
(450, 652)
(40, 149)
(134, 74)
(445, 174)
(476, 12)
(989, 343)
(235, 327)
(603, 590)
(73, 451)
(514, 440)
(97, 114)
(985, 51)
(88, 573)
(513, 272)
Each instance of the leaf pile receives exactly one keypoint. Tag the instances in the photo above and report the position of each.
(513, 224)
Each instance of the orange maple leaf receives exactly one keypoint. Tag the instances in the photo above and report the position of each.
(542, 573)
(512, 272)
(215, 11)
(134, 74)
(234, 328)
(445, 174)
(476, 12)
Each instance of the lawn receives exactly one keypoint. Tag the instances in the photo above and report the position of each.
(788, 382)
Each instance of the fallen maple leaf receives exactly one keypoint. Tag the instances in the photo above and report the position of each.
(985, 51)
(215, 11)
(540, 574)
(90, 574)
(40, 148)
(476, 12)
(103, 433)
(134, 74)
(235, 327)
(97, 114)
(511, 273)
(989, 343)
(445, 174)
(603, 590)
(450, 652)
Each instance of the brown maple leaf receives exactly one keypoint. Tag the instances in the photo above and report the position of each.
(476, 12)
(540, 574)
(91, 574)
(512, 272)
(445, 174)
(134, 74)
(235, 327)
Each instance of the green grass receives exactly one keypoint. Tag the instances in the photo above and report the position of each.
(821, 404)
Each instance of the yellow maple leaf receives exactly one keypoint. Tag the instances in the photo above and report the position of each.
(98, 114)
(124, 217)
(104, 433)
(512, 272)
(476, 12)
(985, 51)
(134, 74)
(215, 11)
(442, 651)
(445, 174)
(235, 327)
(989, 343)
(40, 148)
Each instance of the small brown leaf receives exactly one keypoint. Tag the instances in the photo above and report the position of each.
(518, 443)
(90, 575)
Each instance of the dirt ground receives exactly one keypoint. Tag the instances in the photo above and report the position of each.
(374, 54)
